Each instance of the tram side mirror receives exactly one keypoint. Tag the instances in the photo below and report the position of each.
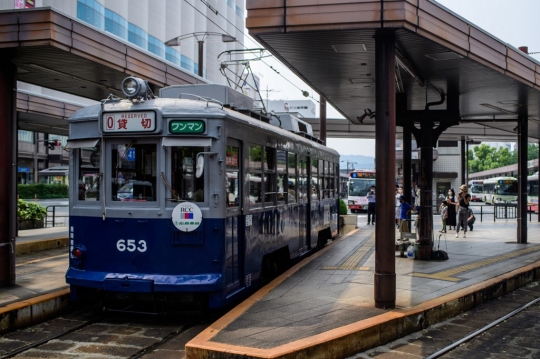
(199, 166)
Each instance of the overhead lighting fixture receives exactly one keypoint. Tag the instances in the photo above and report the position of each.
(443, 56)
(363, 80)
(509, 102)
(498, 108)
(349, 48)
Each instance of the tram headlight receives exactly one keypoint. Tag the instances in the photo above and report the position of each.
(134, 87)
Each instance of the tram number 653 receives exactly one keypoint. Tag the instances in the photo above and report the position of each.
(131, 245)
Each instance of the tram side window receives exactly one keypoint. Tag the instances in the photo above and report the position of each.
(292, 178)
(270, 190)
(314, 179)
(232, 186)
(133, 172)
(183, 180)
(281, 175)
(255, 174)
(89, 173)
(302, 178)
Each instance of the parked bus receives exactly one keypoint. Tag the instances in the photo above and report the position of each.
(476, 190)
(360, 181)
(532, 192)
(500, 190)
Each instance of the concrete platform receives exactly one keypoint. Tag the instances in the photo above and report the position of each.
(40, 289)
(324, 306)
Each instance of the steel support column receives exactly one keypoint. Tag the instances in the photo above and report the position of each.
(425, 242)
(407, 164)
(385, 163)
(463, 161)
(8, 165)
(322, 123)
(201, 58)
(523, 146)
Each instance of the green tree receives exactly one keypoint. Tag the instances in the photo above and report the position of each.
(485, 157)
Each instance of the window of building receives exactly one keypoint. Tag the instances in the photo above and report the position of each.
(172, 55)
(187, 63)
(137, 36)
(116, 24)
(239, 11)
(91, 12)
(156, 46)
(230, 3)
(25, 136)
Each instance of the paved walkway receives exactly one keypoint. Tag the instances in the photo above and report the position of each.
(329, 298)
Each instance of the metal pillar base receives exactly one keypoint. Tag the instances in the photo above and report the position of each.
(385, 290)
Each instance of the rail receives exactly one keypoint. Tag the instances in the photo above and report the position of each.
(52, 215)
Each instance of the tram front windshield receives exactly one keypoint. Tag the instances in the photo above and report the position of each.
(184, 182)
(360, 187)
(134, 172)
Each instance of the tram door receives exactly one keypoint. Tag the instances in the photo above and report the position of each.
(234, 223)
(303, 201)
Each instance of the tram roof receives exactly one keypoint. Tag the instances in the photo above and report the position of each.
(332, 48)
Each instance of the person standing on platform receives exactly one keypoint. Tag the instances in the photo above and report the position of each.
(463, 200)
(444, 215)
(404, 217)
(371, 206)
(399, 193)
(451, 201)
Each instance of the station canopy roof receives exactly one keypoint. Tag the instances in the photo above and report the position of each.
(56, 51)
(331, 46)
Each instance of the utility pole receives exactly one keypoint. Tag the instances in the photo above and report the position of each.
(267, 93)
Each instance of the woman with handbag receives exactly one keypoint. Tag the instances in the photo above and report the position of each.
(463, 210)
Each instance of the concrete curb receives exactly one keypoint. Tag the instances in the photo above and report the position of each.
(33, 311)
(40, 244)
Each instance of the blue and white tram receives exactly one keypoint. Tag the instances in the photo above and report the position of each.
(185, 199)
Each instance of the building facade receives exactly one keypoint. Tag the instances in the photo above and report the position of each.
(146, 25)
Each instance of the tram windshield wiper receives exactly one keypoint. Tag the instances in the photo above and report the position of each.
(175, 196)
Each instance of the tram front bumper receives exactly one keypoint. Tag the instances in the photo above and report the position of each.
(144, 283)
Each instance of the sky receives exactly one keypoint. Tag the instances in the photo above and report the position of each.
(515, 22)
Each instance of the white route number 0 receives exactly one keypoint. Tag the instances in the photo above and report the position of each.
(131, 245)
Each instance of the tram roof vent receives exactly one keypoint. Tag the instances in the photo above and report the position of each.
(291, 123)
(224, 94)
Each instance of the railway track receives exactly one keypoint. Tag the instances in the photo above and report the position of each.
(90, 334)
(504, 328)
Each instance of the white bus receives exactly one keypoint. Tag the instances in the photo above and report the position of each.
(360, 181)
(500, 190)
(532, 192)
(476, 190)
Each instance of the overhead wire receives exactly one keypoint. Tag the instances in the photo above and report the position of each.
(247, 37)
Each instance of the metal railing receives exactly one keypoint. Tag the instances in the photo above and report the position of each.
(52, 216)
(497, 210)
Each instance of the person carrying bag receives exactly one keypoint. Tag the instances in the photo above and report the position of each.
(462, 208)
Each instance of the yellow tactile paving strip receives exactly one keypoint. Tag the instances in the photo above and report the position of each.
(450, 274)
(355, 258)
